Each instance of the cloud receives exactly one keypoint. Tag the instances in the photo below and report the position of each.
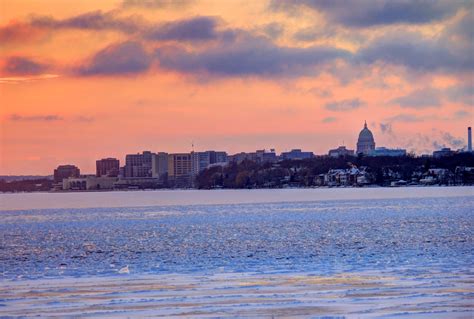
(117, 59)
(320, 92)
(273, 30)
(247, 55)
(329, 119)
(26, 79)
(196, 28)
(345, 105)
(18, 65)
(410, 118)
(367, 13)
(461, 114)
(463, 93)
(96, 20)
(462, 29)
(15, 31)
(157, 4)
(418, 99)
(35, 118)
(416, 52)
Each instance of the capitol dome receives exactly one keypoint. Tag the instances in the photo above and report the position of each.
(366, 142)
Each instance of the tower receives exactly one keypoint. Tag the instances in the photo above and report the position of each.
(469, 139)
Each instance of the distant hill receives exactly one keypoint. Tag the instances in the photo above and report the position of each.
(11, 178)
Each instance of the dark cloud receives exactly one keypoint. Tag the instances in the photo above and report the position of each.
(416, 52)
(17, 65)
(329, 119)
(273, 30)
(345, 105)
(247, 56)
(190, 29)
(35, 118)
(367, 13)
(419, 99)
(118, 59)
(462, 29)
(197, 28)
(96, 20)
(317, 32)
(157, 4)
(14, 32)
(307, 35)
(237, 52)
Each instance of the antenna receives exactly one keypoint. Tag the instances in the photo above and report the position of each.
(192, 146)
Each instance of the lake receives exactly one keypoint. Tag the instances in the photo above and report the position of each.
(370, 252)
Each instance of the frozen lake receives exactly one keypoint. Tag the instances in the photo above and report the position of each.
(404, 252)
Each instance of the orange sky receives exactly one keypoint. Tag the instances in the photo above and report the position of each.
(106, 78)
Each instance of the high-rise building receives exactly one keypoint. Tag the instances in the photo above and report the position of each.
(366, 142)
(138, 165)
(65, 171)
(202, 160)
(469, 139)
(159, 165)
(107, 167)
(180, 169)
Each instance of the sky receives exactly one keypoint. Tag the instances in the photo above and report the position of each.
(84, 80)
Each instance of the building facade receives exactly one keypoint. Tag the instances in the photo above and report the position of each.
(159, 166)
(296, 154)
(89, 183)
(383, 151)
(446, 151)
(138, 165)
(366, 142)
(107, 167)
(340, 151)
(202, 160)
(180, 170)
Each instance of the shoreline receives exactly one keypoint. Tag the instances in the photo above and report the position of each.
(174, 197)
(224, 189)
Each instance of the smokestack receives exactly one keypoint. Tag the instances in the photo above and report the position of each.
(469, 139)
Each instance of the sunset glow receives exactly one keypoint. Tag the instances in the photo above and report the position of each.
(85, 80)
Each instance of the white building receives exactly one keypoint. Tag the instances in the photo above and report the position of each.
(383, 151)
(340, 151)
(366, 142)
(89, 182)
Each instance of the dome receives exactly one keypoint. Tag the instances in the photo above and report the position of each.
(366, 135)
(366, 142)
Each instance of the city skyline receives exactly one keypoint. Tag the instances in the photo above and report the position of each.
(90, 81)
